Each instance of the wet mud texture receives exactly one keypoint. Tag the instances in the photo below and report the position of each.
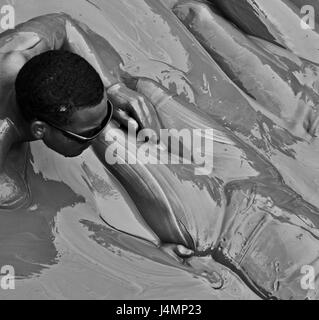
(257, 210)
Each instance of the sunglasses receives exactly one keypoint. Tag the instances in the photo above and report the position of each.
(83, 139)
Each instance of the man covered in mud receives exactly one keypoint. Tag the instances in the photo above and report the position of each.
(262, 229)
(55, 86)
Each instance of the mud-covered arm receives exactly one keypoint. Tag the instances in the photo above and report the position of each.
(80, 39)
(47, 32)
(129, 105)
(61, 31)
(28, 40)
(16, 47)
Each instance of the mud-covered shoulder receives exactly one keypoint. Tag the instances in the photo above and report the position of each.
(10, 65)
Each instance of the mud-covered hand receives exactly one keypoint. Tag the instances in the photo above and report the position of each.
(132, 106)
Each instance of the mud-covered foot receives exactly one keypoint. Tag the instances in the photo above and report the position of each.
(13, 191)
(178, 252)
(206, 268)
(219, 277)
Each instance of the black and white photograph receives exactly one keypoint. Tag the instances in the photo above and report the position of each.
(159, 150)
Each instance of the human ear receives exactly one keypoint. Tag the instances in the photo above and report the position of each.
(38, 129)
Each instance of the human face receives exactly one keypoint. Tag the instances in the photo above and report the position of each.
(85, 125)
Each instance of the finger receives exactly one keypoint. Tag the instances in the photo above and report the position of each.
(125, 120)
(131, 125)
(136, 106)
(142, 110)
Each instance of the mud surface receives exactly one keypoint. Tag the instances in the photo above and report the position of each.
(64, 232)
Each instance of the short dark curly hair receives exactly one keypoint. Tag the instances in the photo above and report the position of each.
(52, 85)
